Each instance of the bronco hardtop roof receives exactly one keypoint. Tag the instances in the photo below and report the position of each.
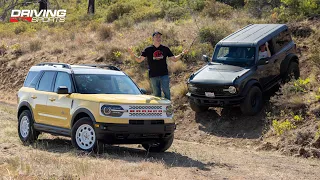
(252, 35)
(78, 69)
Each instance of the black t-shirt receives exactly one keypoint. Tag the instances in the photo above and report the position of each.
(157, 59)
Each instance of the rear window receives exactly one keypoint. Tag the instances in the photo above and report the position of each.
(32, 76)
(282, 40)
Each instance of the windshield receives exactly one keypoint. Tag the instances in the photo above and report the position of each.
(105, 84)
(239, 56)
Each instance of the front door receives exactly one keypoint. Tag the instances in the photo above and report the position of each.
(38, 97)
(59, 105)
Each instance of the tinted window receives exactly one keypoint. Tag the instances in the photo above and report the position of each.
(105, 84)
(242, 56)
(282, 40)
(45, 83)
(31, 76)
(63, 79)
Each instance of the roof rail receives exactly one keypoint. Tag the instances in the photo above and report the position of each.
(64, 65)
(102, 66)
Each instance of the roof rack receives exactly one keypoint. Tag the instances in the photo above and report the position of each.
(64, 65)
(102, 66)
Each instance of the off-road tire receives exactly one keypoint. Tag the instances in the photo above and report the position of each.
(83, 135)
(26, 131)
(293, 71)
(253, 102)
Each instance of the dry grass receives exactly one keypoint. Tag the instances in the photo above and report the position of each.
(176, 67)
(179, 90)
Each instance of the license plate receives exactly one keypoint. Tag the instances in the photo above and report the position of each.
(209, 94)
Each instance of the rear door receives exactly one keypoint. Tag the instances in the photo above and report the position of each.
(59, 105)
(38, 97)
(283, 45)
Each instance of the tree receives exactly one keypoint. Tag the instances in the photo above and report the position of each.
(91, 6)
(43, 5)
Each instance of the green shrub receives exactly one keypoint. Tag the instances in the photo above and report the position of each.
(174, 13)
(216, 9)
(296, 9)
(117, 10)
(212, 34)
(20, 29)
(281, 127)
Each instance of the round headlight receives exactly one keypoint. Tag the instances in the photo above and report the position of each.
(169, 110)
(232, 89)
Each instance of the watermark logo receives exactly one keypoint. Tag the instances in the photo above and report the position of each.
(38, 16)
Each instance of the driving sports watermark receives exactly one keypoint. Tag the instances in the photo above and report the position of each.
(38, 16)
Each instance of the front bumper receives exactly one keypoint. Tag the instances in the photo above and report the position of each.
(217, 101)
(136, 133)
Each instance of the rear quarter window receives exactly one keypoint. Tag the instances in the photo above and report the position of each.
(32, 76)
(282, 39)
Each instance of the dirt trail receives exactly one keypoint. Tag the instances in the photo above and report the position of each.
(54, 158)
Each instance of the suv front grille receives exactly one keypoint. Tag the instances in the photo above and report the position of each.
(218, 90)
(145, 107)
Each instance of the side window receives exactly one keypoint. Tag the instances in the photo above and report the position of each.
(45, 83)
(282, 40)
(63, 79)
(31, 76)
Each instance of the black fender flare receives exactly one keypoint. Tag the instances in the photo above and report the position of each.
(81, 110)
(248, 86)
(24, 104)
(285, 63)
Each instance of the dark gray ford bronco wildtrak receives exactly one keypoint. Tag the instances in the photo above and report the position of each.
(236, 76)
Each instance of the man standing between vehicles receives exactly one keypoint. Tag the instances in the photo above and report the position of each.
(156, 55)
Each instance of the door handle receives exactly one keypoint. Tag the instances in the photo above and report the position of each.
(52, 99)
(34, 97)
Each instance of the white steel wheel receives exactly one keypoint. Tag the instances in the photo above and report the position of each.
(24, 126)
(85, 137)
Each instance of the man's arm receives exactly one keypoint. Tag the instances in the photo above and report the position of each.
(267, 46)
(139, 59)
(176, 58)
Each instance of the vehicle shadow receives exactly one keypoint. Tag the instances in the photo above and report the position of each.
(129, 153)
(231, 123)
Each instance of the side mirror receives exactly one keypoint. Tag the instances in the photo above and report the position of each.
(63, 90)
(143, 91)
(263, 61)
(205, 58)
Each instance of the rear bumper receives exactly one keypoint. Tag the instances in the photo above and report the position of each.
(133, 133)
(216, 102)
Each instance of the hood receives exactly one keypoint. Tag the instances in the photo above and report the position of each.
(218, 74)
(122, 98)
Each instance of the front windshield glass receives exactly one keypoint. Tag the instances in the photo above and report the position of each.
(239, 56)
(105, 84)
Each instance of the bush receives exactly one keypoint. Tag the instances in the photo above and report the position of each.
(281, 127)
(114, 54)
(215, 9)
(174, 13)
(35, 45)
(296, 9)
(117, 10)
(259, 8)
(104, 32)
(212, 34)
(20, 29)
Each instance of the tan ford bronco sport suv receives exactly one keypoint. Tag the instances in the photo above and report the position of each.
(91, 104)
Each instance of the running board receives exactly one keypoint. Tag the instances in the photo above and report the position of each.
(52, 129)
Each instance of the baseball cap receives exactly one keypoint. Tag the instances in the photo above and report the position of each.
(155, 33)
